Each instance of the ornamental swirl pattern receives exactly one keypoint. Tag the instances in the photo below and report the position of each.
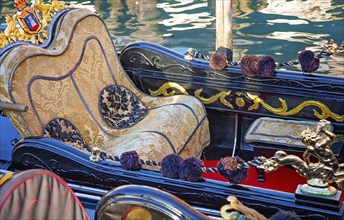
(283, 110)
(257, 102)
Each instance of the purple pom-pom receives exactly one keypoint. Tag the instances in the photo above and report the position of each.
(218, 61)
(248, 65)
(130, 160)
(227, 167)
(308, 61)
(191, 169)
(285, 215)
(266, 66)
(170, 166)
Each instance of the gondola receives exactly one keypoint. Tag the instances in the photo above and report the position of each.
(152, 128)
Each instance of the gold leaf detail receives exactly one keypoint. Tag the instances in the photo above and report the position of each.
(257, 101)
(163, 90)
(23, 32)
(214, 98)
(240, 102)
(283, 110)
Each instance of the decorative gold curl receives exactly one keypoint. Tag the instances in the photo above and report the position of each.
(283, 110)
(163, 90)
(214, 98)
(168, 85)
(257, 101)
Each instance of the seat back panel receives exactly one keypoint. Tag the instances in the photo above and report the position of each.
(66, 82)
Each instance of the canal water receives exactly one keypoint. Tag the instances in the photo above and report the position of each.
(279, 28)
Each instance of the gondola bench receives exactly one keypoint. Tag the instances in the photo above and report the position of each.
(77, 92)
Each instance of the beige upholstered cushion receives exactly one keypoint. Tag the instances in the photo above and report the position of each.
(278, 131)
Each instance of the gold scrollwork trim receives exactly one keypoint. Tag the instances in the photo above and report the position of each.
(163, 90)
(283, 110)
(257, 101)
(214, 98)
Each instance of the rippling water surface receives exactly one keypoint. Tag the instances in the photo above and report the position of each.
(279, 28)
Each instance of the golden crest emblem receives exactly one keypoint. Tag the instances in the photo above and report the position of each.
(28, 18)
(33, 22)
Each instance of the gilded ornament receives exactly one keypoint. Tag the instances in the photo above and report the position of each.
(257, 102)
(283, 110)
(169, 85)
(240, 102)
(33, 22)
(163, 90)
(219, 96)
(320, 174)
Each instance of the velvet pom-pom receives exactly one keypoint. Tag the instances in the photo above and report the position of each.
(266, 66)
(220, 59)
(170, 166)
(227, 167)
(248, 65)
(130, 160)
(191, 169)
(308, 61)
(285, 215)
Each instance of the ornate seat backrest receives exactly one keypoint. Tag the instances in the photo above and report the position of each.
(63, 83)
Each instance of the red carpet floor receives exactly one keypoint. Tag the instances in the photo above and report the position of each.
(283, 179)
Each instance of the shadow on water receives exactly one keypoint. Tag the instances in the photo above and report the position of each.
(262, 27)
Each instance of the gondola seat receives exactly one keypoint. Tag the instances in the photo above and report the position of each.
(77, 92)
(39, 194)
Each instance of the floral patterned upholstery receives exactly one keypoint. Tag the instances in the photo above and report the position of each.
(275, 131)
(62, 130)
(120, 107)
(77, 86)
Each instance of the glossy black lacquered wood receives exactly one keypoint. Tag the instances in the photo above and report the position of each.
(150, 65)
(289, 95)
(75, 167)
